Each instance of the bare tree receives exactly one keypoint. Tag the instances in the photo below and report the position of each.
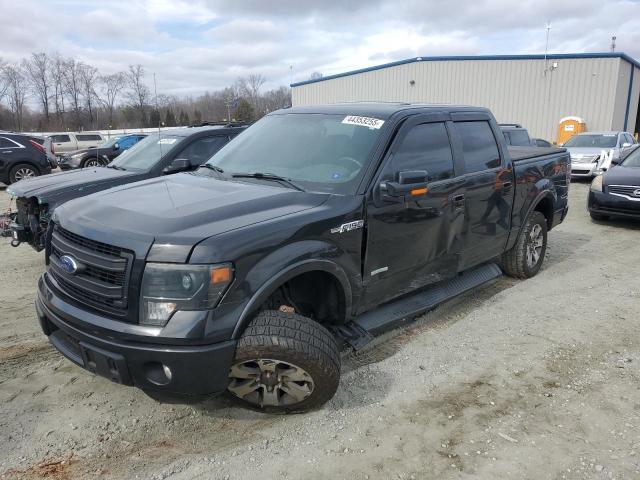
(4, 85)
(57, 80)
(37, 71)
(17, 93)
(112, 85)
(73, 87)
(88, 80)
(139, 91)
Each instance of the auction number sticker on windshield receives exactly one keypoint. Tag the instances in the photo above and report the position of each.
(363, 121)
(167, 141)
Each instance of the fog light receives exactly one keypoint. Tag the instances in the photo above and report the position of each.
(167, 371)
(157, 373)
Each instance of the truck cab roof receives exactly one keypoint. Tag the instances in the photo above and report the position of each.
(381, 110)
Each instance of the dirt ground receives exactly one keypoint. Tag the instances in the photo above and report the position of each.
(535, 379)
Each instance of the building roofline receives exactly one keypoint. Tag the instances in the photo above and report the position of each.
(553, 56)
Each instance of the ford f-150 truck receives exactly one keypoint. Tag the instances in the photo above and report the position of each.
(316, 229)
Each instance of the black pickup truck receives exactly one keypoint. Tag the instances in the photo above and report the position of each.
(162, 153)
(313, 231)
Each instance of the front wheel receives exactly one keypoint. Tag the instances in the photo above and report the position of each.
(92, 162)
(525, 258)
(285, 363)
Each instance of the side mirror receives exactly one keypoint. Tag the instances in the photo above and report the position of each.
(178, 165)
(411, 183)
(116, 146)
(626, 145)
(616, 161)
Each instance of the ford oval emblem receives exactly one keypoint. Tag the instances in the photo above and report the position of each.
(68, 264)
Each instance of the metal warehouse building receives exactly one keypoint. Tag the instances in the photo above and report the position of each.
(534, 90)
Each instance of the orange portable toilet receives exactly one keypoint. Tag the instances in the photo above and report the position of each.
(568, 127)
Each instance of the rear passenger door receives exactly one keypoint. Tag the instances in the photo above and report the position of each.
(414, 240)
(488, 183)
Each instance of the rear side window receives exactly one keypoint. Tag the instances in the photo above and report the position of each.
(203, 149)
(426, 147)
(479, 146)
(88, 137)
(519, 138)
(6, 143)
(60, 138)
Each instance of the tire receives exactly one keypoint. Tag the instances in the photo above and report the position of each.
(21, 171)
(525, 258)
(598, 217)
(92, 162)
(276, 348)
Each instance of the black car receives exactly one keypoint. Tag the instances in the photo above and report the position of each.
(169, 151)
(616, 193)
(101, 155)
(21, 156)
(319, 226)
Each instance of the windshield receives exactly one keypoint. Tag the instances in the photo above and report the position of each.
(146, 153)
(109, 143)
(318, 152)
(633, 159)
(608, 140)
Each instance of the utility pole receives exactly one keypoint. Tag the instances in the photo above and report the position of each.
(613, 43)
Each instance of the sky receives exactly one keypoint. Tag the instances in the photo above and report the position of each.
(203, 45)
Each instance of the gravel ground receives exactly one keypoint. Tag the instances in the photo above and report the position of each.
(518, 379)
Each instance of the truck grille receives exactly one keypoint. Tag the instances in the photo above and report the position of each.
(101, 280)
(626, 190)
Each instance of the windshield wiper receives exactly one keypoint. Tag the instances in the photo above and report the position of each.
(269, 176)
(115, 167)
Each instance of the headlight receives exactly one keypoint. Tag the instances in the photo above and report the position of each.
(167, 288)
(596, 184)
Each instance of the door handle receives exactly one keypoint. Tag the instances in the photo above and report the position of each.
(507, 185)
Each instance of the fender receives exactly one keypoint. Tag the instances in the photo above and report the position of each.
(302, 264)
(544, 191)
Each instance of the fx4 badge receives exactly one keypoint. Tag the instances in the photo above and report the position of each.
(347, 227)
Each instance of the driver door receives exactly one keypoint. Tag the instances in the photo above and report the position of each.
(415, 239)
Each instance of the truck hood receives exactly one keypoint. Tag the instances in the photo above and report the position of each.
(47, 187)
(180, 210)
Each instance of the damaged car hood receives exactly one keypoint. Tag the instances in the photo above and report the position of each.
(57, 188)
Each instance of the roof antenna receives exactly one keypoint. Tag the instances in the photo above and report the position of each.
(613, 43)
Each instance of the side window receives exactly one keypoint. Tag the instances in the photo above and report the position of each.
(520, 138)
(507, 138)
(6, 143)
(479, 146)
(203, 149)
(60, 138)
(426, 147)
(88, 137)
(126, 143)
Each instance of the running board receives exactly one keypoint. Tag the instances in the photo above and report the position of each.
(397, 312)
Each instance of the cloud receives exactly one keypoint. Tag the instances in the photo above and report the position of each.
(198, 45)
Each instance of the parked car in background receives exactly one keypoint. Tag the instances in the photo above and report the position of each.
(47, 144)
(319, 226)
(70, 141)
(22, 156)
(589, 151)
(616, 193)
(101, 155)
(159, 154)
(539, 142)
(515, 134)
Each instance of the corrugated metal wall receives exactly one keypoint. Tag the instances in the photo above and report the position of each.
(515, 90)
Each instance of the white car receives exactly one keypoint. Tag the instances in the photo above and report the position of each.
(71, 141)
(592, 152)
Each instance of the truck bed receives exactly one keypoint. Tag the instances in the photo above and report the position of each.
(525, 153)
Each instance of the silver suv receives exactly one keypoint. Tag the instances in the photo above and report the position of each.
(592, 152)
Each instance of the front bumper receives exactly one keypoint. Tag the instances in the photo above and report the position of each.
(613, 205)
(173, 369)
(68, 163)
(584, 169)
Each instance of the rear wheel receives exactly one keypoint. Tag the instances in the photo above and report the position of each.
(525, 258)
(92, 162)
(22, 171)
(285, 363)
